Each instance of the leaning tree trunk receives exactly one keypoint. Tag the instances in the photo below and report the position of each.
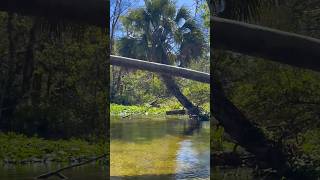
(245, 133)
(174, 89)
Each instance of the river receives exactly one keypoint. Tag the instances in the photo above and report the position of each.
(144, 148)
(159, 148)
(29, 172)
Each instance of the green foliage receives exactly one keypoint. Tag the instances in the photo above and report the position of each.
(198, 93)
(217, 138)
(136, 87)
(206, 13)
(218, 142)
(18, 148)
(122, 110)
(311, 143)
(53, 85)
(141, 88)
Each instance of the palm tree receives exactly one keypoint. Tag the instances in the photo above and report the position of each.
(161, 33)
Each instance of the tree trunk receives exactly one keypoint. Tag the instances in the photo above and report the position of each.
(5, 102)
(28, 66)
(36, 90)
(244, 132)
(174, 89)
(118, 84)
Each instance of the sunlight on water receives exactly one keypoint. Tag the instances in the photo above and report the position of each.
(155, 157)
(192, 164)
(150, 149)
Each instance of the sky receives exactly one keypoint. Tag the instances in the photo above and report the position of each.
(190, 4)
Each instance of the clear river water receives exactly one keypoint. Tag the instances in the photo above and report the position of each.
(174, 148)
(145, 148)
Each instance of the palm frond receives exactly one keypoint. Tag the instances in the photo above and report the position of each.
(132, 48)
(183, 13)
(162, 29)
(189, 25)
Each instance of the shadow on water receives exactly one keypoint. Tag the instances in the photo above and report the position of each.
(147, 130)
(191, 126)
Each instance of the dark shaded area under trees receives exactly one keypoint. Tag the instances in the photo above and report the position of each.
(54, 75)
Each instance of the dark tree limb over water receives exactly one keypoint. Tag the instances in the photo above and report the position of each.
(58, 172)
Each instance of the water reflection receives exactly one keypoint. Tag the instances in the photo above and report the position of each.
(192, 164)
(159, 148)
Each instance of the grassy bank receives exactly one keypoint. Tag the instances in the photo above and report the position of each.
(123, 110)
(17, 148)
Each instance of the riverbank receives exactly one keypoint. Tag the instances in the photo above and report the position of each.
(124, 111)
(20, 149)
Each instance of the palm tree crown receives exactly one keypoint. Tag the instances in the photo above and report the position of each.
(160, 28)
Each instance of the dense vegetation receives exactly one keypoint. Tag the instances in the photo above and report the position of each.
(53, 86)
(283, 101)
(38, 150)
(53, 78)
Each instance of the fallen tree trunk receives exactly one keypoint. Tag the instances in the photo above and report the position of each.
(160, 68)
(94, 12)
(283, 47)
(176, 112)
